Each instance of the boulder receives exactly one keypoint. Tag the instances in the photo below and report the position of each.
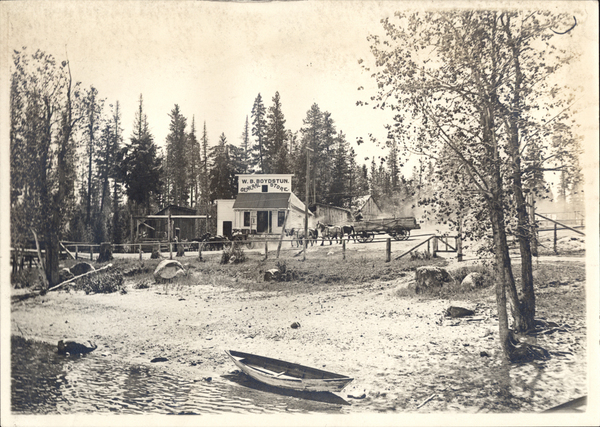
(430, 277)
(458, 312)
(65, 274)
(272, 274)
(473, 281)
(73, 347)
(167, 270)
(81, 268)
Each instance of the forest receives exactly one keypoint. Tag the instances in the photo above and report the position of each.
(69, 155)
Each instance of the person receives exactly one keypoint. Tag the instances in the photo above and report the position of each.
(358, 216)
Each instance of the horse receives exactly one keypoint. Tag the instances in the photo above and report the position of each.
(349, 230)
(298, 236)
(330, 232)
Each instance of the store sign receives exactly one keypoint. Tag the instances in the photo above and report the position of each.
(264, 184)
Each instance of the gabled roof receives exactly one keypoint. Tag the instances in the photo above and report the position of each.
(183, 209)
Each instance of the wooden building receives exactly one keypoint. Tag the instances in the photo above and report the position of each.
(367, 207)
(331, 215)
(261, 205)
(182, 228)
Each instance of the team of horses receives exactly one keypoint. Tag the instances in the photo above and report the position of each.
(329, 232)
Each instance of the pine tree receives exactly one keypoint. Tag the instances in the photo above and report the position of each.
(177, 158)
(276, 138)
(222, 174)
(194, 164)
(204, 169)
(93, 113)
(246, 147)
(259, 153)
(341, 178)
(141, 167)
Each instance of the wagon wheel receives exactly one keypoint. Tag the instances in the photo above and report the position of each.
(371, 237)
(403, 234)
(363, 237)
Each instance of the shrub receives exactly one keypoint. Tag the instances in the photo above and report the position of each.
(235, 255)
(104, 282)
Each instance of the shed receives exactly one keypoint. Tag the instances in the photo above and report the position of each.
(183, 228)
(367, 207)
(329, 214)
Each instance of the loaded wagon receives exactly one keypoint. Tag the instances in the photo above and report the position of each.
(398, 228)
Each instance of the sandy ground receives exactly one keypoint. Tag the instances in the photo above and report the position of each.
(400, 351)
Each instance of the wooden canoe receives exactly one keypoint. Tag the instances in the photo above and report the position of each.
(279, 373)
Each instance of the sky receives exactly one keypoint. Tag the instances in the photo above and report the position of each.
(214, 58)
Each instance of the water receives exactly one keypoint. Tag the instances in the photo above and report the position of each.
(44, 382)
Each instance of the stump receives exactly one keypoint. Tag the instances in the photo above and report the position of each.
(105, 252)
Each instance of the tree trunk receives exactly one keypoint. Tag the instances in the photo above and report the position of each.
(504, 277)
(524, 232)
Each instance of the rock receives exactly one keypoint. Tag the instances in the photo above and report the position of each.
(473, 281)
(73, 347)
(167, 270)
(295, 325)
(459, 312)
(65, 274)
(430, 277)
(484, 354)
(159, 359)
(81, 268)
(272, 274)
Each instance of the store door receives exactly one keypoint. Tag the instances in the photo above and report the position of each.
(227, 228)
(262, 221)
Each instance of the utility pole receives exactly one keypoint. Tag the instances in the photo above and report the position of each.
(306, 201)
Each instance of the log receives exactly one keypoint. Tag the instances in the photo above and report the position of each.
(81, 275)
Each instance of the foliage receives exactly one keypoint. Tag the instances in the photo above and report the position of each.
(141, 167)
(259, 129)
(222, 171)
(472, 95)
(104, 282)
(233, 255)
(45, 112)
(178, 158)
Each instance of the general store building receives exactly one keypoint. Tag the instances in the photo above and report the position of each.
(261, 206)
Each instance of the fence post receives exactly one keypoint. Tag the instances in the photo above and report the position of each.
(434, 246)
(343, 249)
(140, 250)
(91, 253)
(76, 252)
(555, 238)
(388, 250)
(200, 250)
(266, 247)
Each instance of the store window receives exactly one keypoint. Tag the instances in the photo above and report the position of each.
(265, 188)
(246, 219)
(280, 218)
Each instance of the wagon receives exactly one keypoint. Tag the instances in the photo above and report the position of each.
(398, 228)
